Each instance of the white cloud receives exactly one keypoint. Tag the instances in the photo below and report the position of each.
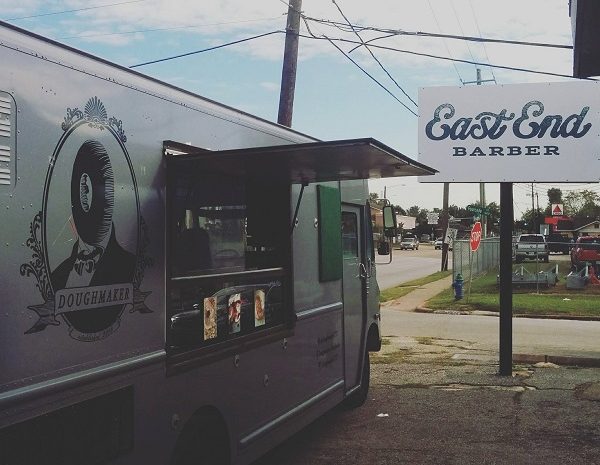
(220, 21)
(270, 86)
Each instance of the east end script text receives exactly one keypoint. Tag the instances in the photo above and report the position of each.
(493, 125)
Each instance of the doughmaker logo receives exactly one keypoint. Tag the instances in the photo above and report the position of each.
(89, 247)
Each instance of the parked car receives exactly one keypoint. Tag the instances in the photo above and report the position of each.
(438, 244)
(411, 243)
(425, 238)
(531, 246)
(586, 249)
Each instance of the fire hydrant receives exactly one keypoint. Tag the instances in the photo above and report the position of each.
(458, 286)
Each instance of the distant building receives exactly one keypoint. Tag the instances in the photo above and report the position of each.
(590, 229)
(408, 222)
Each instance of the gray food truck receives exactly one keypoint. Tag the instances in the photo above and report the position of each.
(175, 286)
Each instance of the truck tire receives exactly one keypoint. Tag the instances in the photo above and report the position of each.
(358, 397)
(518, 259)
(547, 259)
(203, 441)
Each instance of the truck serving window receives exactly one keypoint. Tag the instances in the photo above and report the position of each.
(229, 244)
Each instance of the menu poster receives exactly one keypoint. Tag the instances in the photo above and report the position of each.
(210, 318)
(234, 312)
(259, 307)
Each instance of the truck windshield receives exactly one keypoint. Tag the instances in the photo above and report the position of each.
(532, 239)
(591, 244)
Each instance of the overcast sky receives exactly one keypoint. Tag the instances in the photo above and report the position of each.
(334, 98)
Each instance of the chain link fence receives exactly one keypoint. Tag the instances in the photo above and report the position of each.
(469, 263)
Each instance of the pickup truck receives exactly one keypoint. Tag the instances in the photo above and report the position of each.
(531, 246)
(586, 249)
(559, 243)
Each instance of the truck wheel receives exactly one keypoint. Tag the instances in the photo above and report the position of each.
(546, 259)
(518, 259)
(203, 441)
(358, 397)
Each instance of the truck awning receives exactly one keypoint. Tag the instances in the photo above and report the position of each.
(303, 163)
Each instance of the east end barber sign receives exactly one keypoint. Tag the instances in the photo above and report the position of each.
(512, 133)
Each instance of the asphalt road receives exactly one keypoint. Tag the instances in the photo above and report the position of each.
(408, 265)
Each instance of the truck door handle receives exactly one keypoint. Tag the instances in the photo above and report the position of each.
(362, 271)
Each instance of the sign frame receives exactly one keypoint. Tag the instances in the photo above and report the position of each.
(542, 132)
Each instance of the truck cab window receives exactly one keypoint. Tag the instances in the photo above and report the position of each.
(349, 234)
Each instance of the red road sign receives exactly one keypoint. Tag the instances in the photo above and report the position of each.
(475, 236)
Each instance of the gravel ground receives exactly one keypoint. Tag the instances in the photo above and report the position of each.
(436, 401)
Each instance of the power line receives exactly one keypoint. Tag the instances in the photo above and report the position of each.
(373, 55)
(483, 43)
(399, 32)
(207, 49)
(84, 36)
(428, 55)
(312, 36)
(371, 77)
(461, 29)
(445, 43)
(324, 37)
(75, 10)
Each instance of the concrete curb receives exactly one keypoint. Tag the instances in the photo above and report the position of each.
(422, 309)
(586, 362)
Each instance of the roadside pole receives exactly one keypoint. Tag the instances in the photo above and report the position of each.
(290, 62)
(444, 266)
(506, 223)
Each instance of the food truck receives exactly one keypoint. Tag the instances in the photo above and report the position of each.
(182, 282)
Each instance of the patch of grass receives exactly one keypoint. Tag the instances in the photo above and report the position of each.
(556, 300)
(398, 356)
(395, 293)
(409, 286)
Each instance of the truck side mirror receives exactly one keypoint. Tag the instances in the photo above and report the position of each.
(383, 248)
(389, 221)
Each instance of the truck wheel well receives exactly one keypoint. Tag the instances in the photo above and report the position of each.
(373, 339)
(203, 440)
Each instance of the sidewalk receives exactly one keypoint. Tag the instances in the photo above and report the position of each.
(529, 346)
(415, 300)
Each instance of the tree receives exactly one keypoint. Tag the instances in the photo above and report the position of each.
(375, 200)
(582, 204)
(399, 210)
(532, 219)
(554, 195)
(493, 219)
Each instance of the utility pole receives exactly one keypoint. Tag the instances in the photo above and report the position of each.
(479, 81)
(444, 226)
(532, 209)
(290, 62)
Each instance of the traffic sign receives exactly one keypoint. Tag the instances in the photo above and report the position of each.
(475, 236)
(450, 235)
(433, 218)
(479, 210)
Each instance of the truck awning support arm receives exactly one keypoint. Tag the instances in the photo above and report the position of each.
(304, 184)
